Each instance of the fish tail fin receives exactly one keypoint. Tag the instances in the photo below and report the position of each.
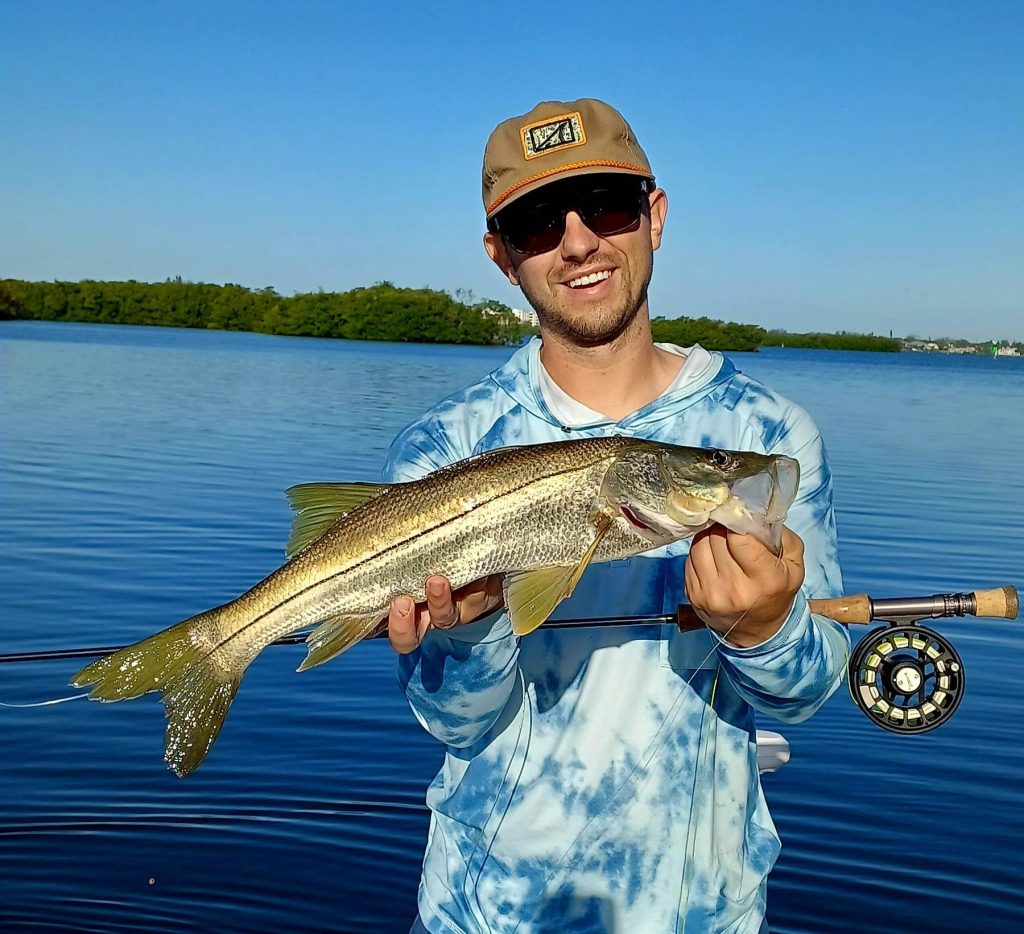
(196, 687)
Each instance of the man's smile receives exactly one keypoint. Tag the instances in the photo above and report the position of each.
(590, 278)
(595, 283)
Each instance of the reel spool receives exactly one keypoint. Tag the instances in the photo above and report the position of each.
(906, 678)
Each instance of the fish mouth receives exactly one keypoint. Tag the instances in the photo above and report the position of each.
(758, 504)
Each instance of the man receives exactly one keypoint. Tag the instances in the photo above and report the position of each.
(606, 780)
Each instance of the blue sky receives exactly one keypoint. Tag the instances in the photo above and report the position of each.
(830, 165)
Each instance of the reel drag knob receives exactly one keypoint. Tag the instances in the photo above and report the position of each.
(906, 678)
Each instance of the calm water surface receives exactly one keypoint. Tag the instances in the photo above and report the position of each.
(142, 472)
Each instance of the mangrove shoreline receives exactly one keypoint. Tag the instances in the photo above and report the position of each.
(382, 312)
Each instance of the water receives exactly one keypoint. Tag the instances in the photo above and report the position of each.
(142, 472)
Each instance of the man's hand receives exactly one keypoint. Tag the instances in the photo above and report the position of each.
(408, 622)
(737, 586)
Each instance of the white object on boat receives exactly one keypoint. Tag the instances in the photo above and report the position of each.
(772, 751)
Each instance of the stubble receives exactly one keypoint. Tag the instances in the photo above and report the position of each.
(599, 323)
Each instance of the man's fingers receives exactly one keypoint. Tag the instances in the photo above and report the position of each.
(402, 630)
(408, 622)
(479, 598)
(753, 557)
(443, 611)
(701, 559)
(720, 540)
(691, 584)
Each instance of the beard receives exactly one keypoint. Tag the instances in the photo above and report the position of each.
(600, 323)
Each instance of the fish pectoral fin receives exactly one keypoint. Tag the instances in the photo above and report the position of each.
(531, 596)
(336, 634)
(319, 505)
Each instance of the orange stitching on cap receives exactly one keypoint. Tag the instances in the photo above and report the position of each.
(505, 195)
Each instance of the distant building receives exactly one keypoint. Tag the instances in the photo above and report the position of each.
(526, 316)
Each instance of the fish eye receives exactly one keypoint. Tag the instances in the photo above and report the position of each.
(720, 458)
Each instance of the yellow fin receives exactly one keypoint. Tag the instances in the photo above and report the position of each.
(195, 690)
(531, 596)
(319, 505)
(336, 634)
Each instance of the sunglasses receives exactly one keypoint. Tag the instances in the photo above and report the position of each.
(607, 204)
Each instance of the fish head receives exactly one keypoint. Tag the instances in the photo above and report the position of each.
(668, 492)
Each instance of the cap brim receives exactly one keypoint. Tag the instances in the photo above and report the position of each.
(560, 173)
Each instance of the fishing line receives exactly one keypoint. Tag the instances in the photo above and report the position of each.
(699, 778)
(653, 746)
(47, 703)
(724, 636)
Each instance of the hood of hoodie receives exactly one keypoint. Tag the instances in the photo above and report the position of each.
(519, 378)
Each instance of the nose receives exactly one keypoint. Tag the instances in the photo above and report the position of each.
(578, 241)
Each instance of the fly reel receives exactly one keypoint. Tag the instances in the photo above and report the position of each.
(906, 678)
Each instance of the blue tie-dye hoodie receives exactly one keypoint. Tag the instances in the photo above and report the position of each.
(606, 779)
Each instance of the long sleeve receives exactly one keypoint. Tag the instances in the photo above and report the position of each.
(794, 672)
(456, 682)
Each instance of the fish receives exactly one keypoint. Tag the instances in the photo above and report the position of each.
(538, 514)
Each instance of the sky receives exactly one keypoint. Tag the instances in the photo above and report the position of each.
(830, 164)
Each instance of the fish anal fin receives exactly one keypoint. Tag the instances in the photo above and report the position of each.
(319, 505)
(531, 596)
(336, 634)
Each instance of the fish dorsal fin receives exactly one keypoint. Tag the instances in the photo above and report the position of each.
(336, 634)
(531, 596)
(318, 505)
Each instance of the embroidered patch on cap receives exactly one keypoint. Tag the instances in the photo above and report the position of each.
(552, 134)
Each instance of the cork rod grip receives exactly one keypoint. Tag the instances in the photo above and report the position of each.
(1001, 602)
(852, 609)
(855, 609)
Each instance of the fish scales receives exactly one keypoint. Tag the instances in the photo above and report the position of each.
(537, 514)
(446, 524)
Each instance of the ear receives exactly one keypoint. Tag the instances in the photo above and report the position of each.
(659, 211)
(499, 253)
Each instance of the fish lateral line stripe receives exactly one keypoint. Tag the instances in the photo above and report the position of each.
(396, 545)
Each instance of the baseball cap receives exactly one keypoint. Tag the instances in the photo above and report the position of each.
(557, 140)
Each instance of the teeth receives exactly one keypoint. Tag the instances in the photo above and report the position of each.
(589, 280)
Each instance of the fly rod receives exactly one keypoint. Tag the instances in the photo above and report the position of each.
(904, 676)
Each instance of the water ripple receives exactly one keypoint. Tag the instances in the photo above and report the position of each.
(143, 471)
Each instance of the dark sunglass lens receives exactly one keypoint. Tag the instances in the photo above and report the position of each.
(613, 210)
(612, 207)
(533, 228)
(538, 241)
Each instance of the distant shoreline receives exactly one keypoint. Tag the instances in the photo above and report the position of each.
(385, 312)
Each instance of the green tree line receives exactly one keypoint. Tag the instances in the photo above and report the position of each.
(381, 312)
(841, 340)
(709, 333)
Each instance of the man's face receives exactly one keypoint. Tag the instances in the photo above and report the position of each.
(588, 288)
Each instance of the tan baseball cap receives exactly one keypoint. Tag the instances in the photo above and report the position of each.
(557, 140)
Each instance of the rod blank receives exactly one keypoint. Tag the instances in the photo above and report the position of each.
(1000, 603)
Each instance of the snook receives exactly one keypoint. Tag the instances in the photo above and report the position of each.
(539, 514)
